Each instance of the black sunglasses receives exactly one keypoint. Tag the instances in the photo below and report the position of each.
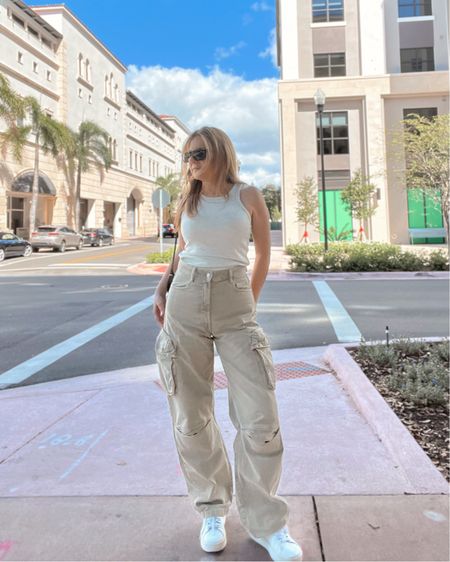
(197, 154)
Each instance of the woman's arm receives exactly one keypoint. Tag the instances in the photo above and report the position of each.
(254, 201)
(159, 302)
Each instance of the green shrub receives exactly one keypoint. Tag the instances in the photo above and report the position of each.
(424, 383)
(438, 261)
(157, 257)
(381, 355)
(361, 256)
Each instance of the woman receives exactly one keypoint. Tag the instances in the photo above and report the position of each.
(211, 301)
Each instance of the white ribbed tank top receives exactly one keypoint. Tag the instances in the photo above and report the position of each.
(217, 237)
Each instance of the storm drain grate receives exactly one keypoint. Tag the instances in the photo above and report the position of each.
(283, 371)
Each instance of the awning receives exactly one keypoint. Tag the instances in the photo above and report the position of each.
(24, 182)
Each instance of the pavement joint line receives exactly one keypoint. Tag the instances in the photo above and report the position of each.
(54, 422)
(74, 465)
(317, 521)
(37, 363)
(345, 328)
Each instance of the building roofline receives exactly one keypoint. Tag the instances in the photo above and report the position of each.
(37, 18)
(48, 8)
(145, 107)
(178, 121)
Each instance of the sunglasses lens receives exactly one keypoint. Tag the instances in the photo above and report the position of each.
(199, 154)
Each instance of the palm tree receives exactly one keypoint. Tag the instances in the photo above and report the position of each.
(12, 110)
(90, 143)
(50, 136)
(171, 184)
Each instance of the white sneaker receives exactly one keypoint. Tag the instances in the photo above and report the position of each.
(213, 536)
(281, 546)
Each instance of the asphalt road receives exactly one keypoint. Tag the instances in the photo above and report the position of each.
(39, 312)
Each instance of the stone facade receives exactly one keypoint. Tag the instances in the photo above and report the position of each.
(372, 94)
(50, 54)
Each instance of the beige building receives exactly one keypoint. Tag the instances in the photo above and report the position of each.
(49, 53)
(376, 61)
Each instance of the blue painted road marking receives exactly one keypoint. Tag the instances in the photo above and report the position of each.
(28, 368)
(346, 330)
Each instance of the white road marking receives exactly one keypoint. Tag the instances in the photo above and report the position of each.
(28, 368)
(346, 330)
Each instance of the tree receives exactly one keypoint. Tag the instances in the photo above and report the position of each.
(171, 184)
(425, 142)
(12, 111)
(272, 196)
(307, 210)
(89, 144)
(357, 198)
(49, 136)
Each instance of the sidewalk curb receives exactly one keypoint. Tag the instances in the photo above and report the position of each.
(417, 467)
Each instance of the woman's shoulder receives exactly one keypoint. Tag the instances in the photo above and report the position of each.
(251, 196)
(249, 191)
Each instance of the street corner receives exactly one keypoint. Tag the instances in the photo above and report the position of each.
(148, 268)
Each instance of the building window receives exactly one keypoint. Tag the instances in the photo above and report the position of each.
(417, 60)
(18, 20)
(140, 163)
(135, 161)
(80, 65)
(106, 86)
(35, 67)
(90, 98)
(49, 75)
(332, 64)
(335, 132)
(131, 159)
(414, 8)
(114, 150)
(20, 57)
(428, 112)
(88, 70)
(33, 32)
(327, 10)
(80, 93)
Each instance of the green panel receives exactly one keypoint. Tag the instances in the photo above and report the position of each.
(424, 213)
(337, 216)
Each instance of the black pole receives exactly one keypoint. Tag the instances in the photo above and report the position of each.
(320, 109)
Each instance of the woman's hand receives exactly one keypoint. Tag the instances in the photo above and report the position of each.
(159, 308)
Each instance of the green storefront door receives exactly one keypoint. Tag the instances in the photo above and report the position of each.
(337, 216)
(423, 212)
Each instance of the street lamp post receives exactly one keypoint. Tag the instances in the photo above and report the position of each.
(319, 99)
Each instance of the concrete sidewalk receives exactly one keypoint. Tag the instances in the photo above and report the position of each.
(89, 471)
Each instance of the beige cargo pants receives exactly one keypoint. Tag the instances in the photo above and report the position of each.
(205, 307)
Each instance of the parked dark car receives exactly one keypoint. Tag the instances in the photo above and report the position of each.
(168, 230)
(97, 236)
(56, 237)
(12, 245)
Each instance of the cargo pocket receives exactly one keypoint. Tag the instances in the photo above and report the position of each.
(165, 355)
(260, 345)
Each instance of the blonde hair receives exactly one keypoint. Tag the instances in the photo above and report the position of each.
(220, 155)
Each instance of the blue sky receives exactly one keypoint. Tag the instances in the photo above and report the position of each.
(185, 33)
(206, 61)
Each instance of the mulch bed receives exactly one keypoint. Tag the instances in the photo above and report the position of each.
(429, 425)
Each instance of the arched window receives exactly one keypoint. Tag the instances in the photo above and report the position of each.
(88, 70)
(80, 65)
(111, 84)
(106, 85)
(116, 93)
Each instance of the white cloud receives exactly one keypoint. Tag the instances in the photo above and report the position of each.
(271, 50)
(224, 53)
(261, 7)
(245, 109)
